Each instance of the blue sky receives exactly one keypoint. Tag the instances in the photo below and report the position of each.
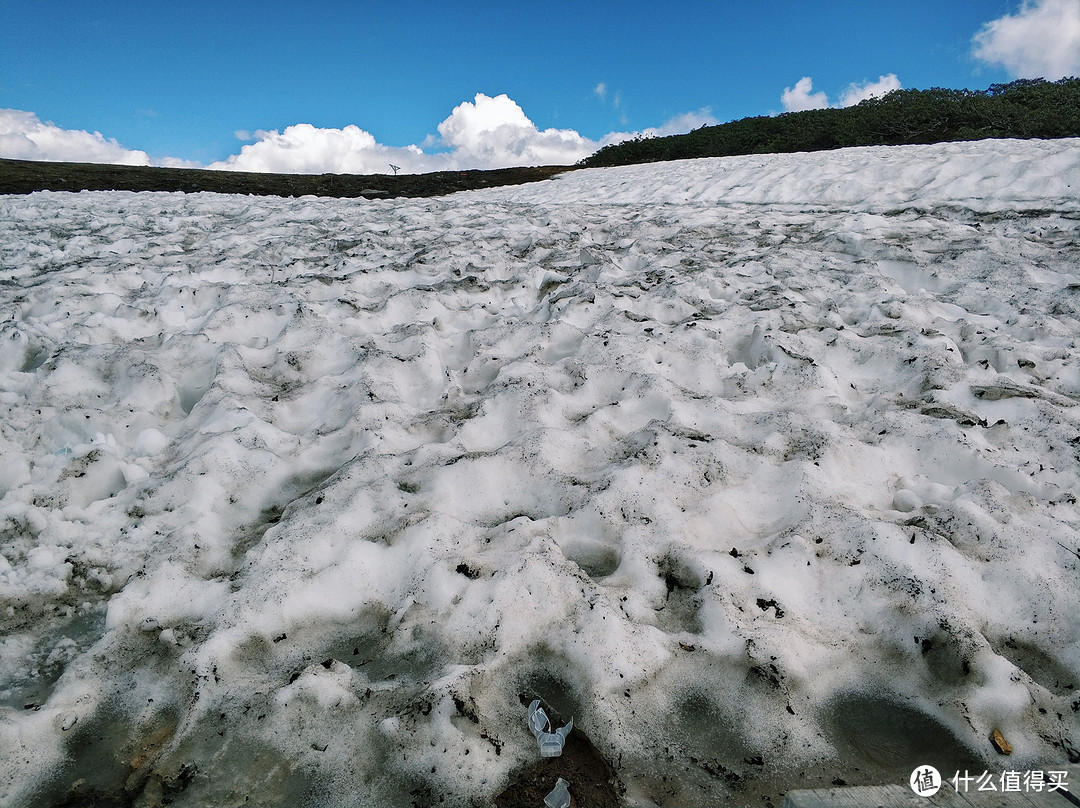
(194, 82)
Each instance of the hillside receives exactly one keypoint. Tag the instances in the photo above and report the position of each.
(27, 176)
(1022, 109)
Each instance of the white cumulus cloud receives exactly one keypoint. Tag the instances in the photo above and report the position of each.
(801, 96)
(1042, 40)
(681, 124)
(24, 136)
(871, 89)
(306, 149)
(483, 133)
(495, 133)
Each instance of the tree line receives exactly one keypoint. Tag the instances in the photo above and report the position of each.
(1027, 108)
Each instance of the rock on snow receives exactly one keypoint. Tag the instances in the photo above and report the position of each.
(754, 466)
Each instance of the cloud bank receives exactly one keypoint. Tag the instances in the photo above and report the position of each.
(306, 149)
(23, 136)
(487, 132)
(801, 96)
(483, 133)
(1042, 40)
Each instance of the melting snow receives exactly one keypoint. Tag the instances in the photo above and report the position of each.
(753, 466)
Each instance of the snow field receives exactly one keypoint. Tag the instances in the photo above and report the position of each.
(753, 466)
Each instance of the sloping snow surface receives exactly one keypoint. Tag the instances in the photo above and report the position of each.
(754, 466)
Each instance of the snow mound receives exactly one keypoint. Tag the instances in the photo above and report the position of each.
(748, 465)
(985, 175)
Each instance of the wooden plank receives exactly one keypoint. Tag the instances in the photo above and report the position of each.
(895, 796)
(948, 797)
(855, 797)
(1073, 779)
(1009, 799)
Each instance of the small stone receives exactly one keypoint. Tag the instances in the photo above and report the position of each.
(68, 721)
(999, 742)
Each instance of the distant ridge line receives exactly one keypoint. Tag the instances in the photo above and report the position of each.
(28, 176)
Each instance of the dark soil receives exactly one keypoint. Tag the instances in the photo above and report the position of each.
(592, 783)
(25, 176)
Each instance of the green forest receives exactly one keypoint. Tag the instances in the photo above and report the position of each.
(1021, 109)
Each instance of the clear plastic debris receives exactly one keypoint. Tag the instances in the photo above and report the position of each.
(559, 796)
(551, 743)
